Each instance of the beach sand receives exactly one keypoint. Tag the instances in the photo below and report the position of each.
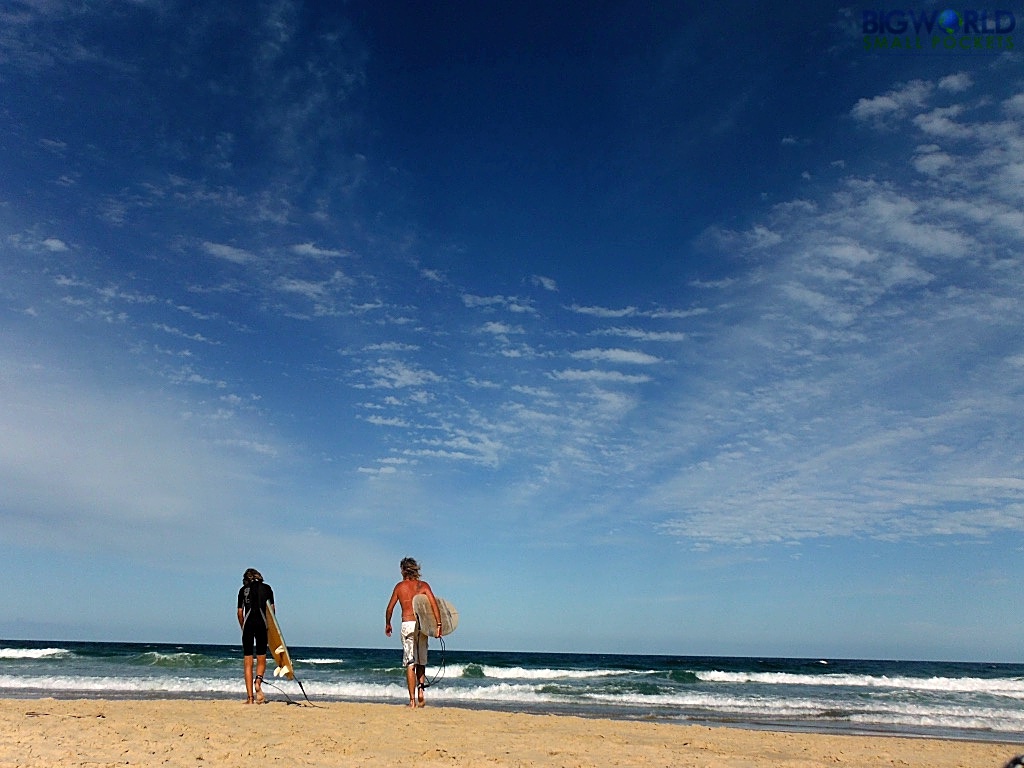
(228, 734)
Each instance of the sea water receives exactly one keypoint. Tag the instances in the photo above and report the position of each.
(917, 698)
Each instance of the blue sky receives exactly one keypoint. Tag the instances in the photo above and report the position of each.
(645, 327)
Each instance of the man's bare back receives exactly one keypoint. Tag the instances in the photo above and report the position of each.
(403, 593)
(406, 590)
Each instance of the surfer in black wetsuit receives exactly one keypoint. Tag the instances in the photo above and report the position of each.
(254, 600)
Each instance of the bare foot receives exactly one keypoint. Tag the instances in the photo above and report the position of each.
(422, 698)
(258, 690)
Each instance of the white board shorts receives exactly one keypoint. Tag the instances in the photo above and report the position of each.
(414, 644)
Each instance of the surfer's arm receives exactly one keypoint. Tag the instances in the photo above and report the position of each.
(241, 618)
(434, 608)
(389, 611)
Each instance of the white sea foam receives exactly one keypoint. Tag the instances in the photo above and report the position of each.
(502, 692)
(33, 653)
(116, 685)
(686, 704)
(899, 703)
(179, 659)
(521, 673)
(1010, 687)
(880, 713)
(190, 685)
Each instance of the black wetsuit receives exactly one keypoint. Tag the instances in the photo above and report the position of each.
(252, 600)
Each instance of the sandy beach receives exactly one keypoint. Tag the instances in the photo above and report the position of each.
(228, 734)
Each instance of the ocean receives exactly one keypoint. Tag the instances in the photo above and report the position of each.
(911, 698)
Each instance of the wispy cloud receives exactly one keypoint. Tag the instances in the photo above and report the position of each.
(627, 356)
(396, 374)
(132, 472)
(605, 312)
(893, 105)
(501, 329)
(547, 283)
(229, 253)
(173, 331)
(856, 399)
(508, 303)
(641, 334)
(323, 295)
(313, 251)
(596, 375)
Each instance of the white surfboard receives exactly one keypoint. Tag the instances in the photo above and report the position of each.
(425, 616)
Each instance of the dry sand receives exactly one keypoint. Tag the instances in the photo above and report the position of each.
(227, 734)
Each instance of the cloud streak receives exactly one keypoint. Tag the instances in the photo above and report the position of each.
(879, 391)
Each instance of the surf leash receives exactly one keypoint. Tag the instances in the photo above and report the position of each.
(306, 697)
(441, 667)
(289, 699)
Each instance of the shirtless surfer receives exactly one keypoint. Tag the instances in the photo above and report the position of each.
(414, 639)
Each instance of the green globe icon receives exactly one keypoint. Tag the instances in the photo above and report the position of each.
(949, 21)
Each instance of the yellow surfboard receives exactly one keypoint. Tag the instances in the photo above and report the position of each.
(277, 648)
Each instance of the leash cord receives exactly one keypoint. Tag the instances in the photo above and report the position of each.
(289, 699)
(441, 667)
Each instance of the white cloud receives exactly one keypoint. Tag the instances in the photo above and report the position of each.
(391, 346)
(629, 356)
(500, 329)
(933, 162)
(322, 294)
(386, 470)
(1015, 105)
(676, 314)
(961, 81)
(382, 421)
(510, 303)
(762, 237)
(173, 331)
(941, 123)
(229, 253)
(547, 283)
(897, 103)
(603, 311)
(264, 449)
(55, 245)
(313, 251)
(483, 301)
(433, 275)
(641, 334)
(856, 398)
(84, 464)
(459, 445)
(395, 374)
(575, 374)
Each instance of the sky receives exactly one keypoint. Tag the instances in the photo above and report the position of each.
(645, 327)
